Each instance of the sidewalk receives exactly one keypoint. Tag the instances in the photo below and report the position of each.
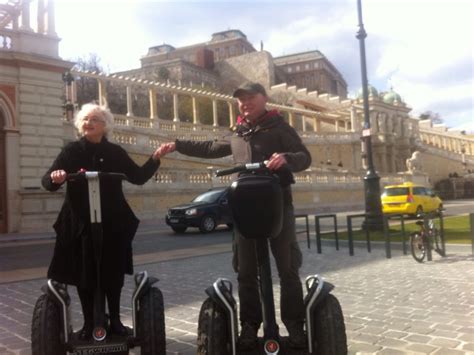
(391, 306)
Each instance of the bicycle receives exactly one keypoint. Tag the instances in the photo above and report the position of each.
(424, 239)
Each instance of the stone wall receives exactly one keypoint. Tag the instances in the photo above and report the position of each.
(37, 135)
(439, 167)
(255, 66)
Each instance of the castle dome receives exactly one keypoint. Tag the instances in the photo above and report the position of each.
(391, 97)
(371, 91)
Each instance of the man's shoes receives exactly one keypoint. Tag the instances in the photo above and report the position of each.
(297, 337)
(86, 332)
(117, 328)
(248, 339)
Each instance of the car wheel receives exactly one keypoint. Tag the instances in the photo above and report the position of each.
(208, 224)
(179, 229)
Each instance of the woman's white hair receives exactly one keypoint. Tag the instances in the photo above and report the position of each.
(101, 112)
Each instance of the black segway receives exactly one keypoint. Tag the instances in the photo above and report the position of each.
(51, 330)
(257, 206)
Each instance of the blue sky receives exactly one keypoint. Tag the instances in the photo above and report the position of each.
(421, 48)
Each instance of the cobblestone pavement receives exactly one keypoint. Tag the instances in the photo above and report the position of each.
(391, 306)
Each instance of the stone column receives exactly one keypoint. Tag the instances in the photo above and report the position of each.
(214, 114)
(74, 92)
(129, 101)
(303, 122)
(315, 124)
(195, 111)
(25, 16)
(40, 17)
(291, 119)
(15, 23)
(152, 99)
(102, 93)
(336, 125)
(354, 121)
(175, 108)
(230, 105)
(373, 122)
(51, 19)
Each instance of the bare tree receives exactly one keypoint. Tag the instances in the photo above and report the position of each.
(87, 88)
(433, 116)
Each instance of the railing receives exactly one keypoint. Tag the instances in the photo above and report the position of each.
(306, 230)
(388, 234)
(448, 141)
(317, 224)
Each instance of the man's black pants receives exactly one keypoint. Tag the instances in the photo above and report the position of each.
(288, 258)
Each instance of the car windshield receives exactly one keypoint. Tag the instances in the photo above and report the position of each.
(209, 196)
(396, 191)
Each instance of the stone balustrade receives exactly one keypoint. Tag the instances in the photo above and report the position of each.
(307, 119)
(17, 33)
(311, 179)
(450, 142)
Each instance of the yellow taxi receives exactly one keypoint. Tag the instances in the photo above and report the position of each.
(409, 198)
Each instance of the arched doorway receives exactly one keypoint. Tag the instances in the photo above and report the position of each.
(3, 176)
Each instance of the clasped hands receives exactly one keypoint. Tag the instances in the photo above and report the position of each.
(276, 161)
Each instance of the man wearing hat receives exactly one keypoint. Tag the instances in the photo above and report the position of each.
(262, 135)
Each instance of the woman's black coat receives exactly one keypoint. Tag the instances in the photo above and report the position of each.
(73, 261)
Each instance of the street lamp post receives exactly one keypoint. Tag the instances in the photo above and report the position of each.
(373, 205)
(68, 103)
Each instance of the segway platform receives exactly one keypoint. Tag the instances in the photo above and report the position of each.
(112, 344)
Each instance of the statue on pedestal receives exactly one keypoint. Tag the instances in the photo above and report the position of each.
(414, 163)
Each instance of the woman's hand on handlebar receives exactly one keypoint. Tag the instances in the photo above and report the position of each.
(276, 161)
(58, 176)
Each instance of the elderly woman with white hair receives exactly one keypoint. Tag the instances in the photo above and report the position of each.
(73, 261)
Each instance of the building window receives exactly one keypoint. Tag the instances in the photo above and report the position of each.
(307, 66)
(297, 68)
(289, 69)
(232, 50)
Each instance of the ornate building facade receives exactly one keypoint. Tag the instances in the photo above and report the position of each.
(33, 128)
(207, 64)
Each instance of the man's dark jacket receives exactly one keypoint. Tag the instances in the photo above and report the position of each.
(72, 261)
(250, 144)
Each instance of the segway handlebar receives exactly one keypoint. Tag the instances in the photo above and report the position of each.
(242, 168)
(93, 174)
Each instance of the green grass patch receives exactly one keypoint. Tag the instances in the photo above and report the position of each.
(456, 230)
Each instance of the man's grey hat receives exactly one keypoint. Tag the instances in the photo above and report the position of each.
(250, 88)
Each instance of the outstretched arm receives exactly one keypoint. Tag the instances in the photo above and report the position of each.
(207, 149)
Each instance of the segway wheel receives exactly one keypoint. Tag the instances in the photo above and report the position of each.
(151, 323)
(330, 331)
(213, 332)
(46, 328)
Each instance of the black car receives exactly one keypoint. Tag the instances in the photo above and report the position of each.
(206, 211)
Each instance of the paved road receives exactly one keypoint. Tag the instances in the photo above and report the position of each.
(34, 251)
